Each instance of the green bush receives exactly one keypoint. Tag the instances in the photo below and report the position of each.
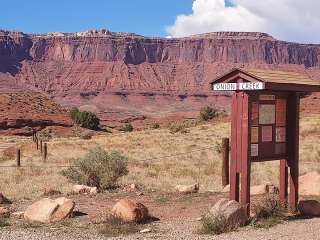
(127, 127)
(98, 168)
(85, 119)
(155, 126)
(208, 113)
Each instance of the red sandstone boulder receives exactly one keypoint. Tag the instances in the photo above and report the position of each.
(130, 211)
(233, 213)
(47, 210)
(309, 207)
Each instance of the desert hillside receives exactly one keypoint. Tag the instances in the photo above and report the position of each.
(121, 75)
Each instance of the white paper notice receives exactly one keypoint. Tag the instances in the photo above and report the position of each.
(254, 150)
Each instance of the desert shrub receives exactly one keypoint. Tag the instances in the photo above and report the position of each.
(214, 225)
(98, 168)
(85, 119)
(8, 154)
(268, 212)
(45, 134)
(208, 112)
(86, 135)
(178, 128)
(113, 226)
(155, 126)
(127, 127)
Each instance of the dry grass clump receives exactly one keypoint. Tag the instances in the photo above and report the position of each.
(113, 226)
(8, 154)
(214, 225)
(268, 212)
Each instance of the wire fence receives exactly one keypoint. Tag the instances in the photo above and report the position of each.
(147, 160)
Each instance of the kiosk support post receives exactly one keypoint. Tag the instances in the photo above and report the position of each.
(293, 148)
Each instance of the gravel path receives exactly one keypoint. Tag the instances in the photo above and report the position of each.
(178, 230)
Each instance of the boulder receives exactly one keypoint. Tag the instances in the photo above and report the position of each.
(234, 214)
(309, 184)
(4, 200)
(194, 188)
(4, 212)
(84, 189)
(64, 210)
(309, 207)
(41, 211)
(130, 211)
(47, 210)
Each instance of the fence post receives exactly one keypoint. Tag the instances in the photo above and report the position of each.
(45, 152)
(18, 157)
(225, 161)
(37, 142)
(41, 146)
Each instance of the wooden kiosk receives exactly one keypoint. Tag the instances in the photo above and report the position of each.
(264, 126)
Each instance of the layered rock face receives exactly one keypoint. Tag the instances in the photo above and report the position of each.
(122, 73)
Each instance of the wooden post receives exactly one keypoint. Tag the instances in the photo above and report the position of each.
(41, 146)
(244, 148)
(18, 157)
(293, 148)
(45, 152)
(225, 161)
(283, 181)
(37, 142)
(234, 174)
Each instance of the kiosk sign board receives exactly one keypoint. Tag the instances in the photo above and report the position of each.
(264, 126)
(267, 126)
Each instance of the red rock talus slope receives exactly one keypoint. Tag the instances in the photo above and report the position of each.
(120, 74)
(23, 112)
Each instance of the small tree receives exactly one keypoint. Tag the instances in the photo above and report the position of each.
(208, 112)
(85, 119)
(98, 168)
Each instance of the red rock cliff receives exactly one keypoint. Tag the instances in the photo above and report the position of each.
(101, 70)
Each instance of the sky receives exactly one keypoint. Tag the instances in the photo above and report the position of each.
(290, 20)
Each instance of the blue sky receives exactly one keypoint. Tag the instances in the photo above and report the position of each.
(177, 18)
(146, 17)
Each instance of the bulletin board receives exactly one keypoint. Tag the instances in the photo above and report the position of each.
(268, 126)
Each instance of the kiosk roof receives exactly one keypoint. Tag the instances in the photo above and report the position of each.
(273, 80)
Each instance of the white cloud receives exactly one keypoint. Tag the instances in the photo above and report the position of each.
(292, 20)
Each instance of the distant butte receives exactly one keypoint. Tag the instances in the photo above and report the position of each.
(125, 75)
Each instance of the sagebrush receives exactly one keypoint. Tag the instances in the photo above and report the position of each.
(98, 168)
(208, 112)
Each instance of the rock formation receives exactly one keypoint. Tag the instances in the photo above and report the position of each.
(124, 73)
